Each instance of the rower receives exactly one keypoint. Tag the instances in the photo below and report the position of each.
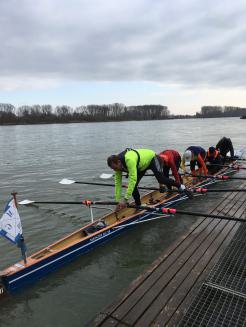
(194, 155)
(171, 160)
(213, 157)
(135, 163)
(224, 146)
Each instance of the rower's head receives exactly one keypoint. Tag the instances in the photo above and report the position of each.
(211, 150)
(115, 163)
(187, 156)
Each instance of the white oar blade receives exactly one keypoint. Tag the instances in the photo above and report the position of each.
(106, 176)
(25, 202)
(66, 181)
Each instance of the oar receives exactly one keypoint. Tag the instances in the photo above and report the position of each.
(83, 202)
(235, 158)
(190, 213)
(236, 167)
(108, 176)
(205, 190)
(220, 177)
(66, 181)
(197, 190)
(141, 207)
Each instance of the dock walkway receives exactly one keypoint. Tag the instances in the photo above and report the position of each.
(200, 280)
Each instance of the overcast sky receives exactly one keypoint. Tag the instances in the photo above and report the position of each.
(179, 53)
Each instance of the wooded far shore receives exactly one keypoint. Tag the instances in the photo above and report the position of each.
(46, 114)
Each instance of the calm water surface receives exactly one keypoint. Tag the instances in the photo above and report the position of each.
(34, 158)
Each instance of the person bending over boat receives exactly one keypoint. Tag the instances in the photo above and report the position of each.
(135, 163)
(194, 155)
(224, 146)
(171, 160)
(213, 157)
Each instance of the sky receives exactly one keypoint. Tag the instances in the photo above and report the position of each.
(183, 54)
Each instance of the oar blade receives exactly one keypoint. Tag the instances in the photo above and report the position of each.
(66, 181)
(106, 176)
(26, 202)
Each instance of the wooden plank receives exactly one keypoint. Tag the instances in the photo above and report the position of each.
(176, 252)
(183, 275)
(174, 301)
(160, 270)
(221, 203)
(180, 311)
(189, 296)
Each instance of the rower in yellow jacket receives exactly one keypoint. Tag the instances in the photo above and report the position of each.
(135, 163)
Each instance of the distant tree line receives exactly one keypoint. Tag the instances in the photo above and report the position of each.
(46, 114)
(37, 114)
(217, 111)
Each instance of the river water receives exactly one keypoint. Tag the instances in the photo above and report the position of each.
(34, 158)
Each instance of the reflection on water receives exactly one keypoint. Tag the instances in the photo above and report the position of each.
(35, 158)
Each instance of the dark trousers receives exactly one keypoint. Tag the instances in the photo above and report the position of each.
(214, 169)
(166, 170)
(156, 165)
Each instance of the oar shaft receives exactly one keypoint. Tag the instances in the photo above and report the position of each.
(92, 183)
(205, 190)
(123, 186)
(209, 215)
(240, 159)
(56, 202)
(220, 177)
(228, 166)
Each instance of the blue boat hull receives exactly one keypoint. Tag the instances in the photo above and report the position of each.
(42, 268)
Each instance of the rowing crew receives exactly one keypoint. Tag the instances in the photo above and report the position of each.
(136, 162)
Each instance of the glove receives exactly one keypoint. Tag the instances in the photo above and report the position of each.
(121, 205)
(162, 189)
(182, 188)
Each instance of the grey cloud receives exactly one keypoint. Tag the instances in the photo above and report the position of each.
(190, 42)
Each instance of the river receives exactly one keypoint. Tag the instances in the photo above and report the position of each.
(33, 160)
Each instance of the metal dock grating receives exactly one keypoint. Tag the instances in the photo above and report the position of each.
(221, 300)
(230, 271)
(216, 308)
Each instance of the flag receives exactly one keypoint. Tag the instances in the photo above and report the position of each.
(10, 224)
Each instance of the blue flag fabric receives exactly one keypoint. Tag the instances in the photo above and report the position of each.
(10, 224)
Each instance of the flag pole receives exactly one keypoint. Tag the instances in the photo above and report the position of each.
(22, 241)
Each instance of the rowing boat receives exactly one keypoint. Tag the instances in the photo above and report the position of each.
(90, 236)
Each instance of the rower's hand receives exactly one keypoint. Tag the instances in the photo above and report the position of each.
(121, 205)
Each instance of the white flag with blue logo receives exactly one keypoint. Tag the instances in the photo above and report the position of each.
(10, 223)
